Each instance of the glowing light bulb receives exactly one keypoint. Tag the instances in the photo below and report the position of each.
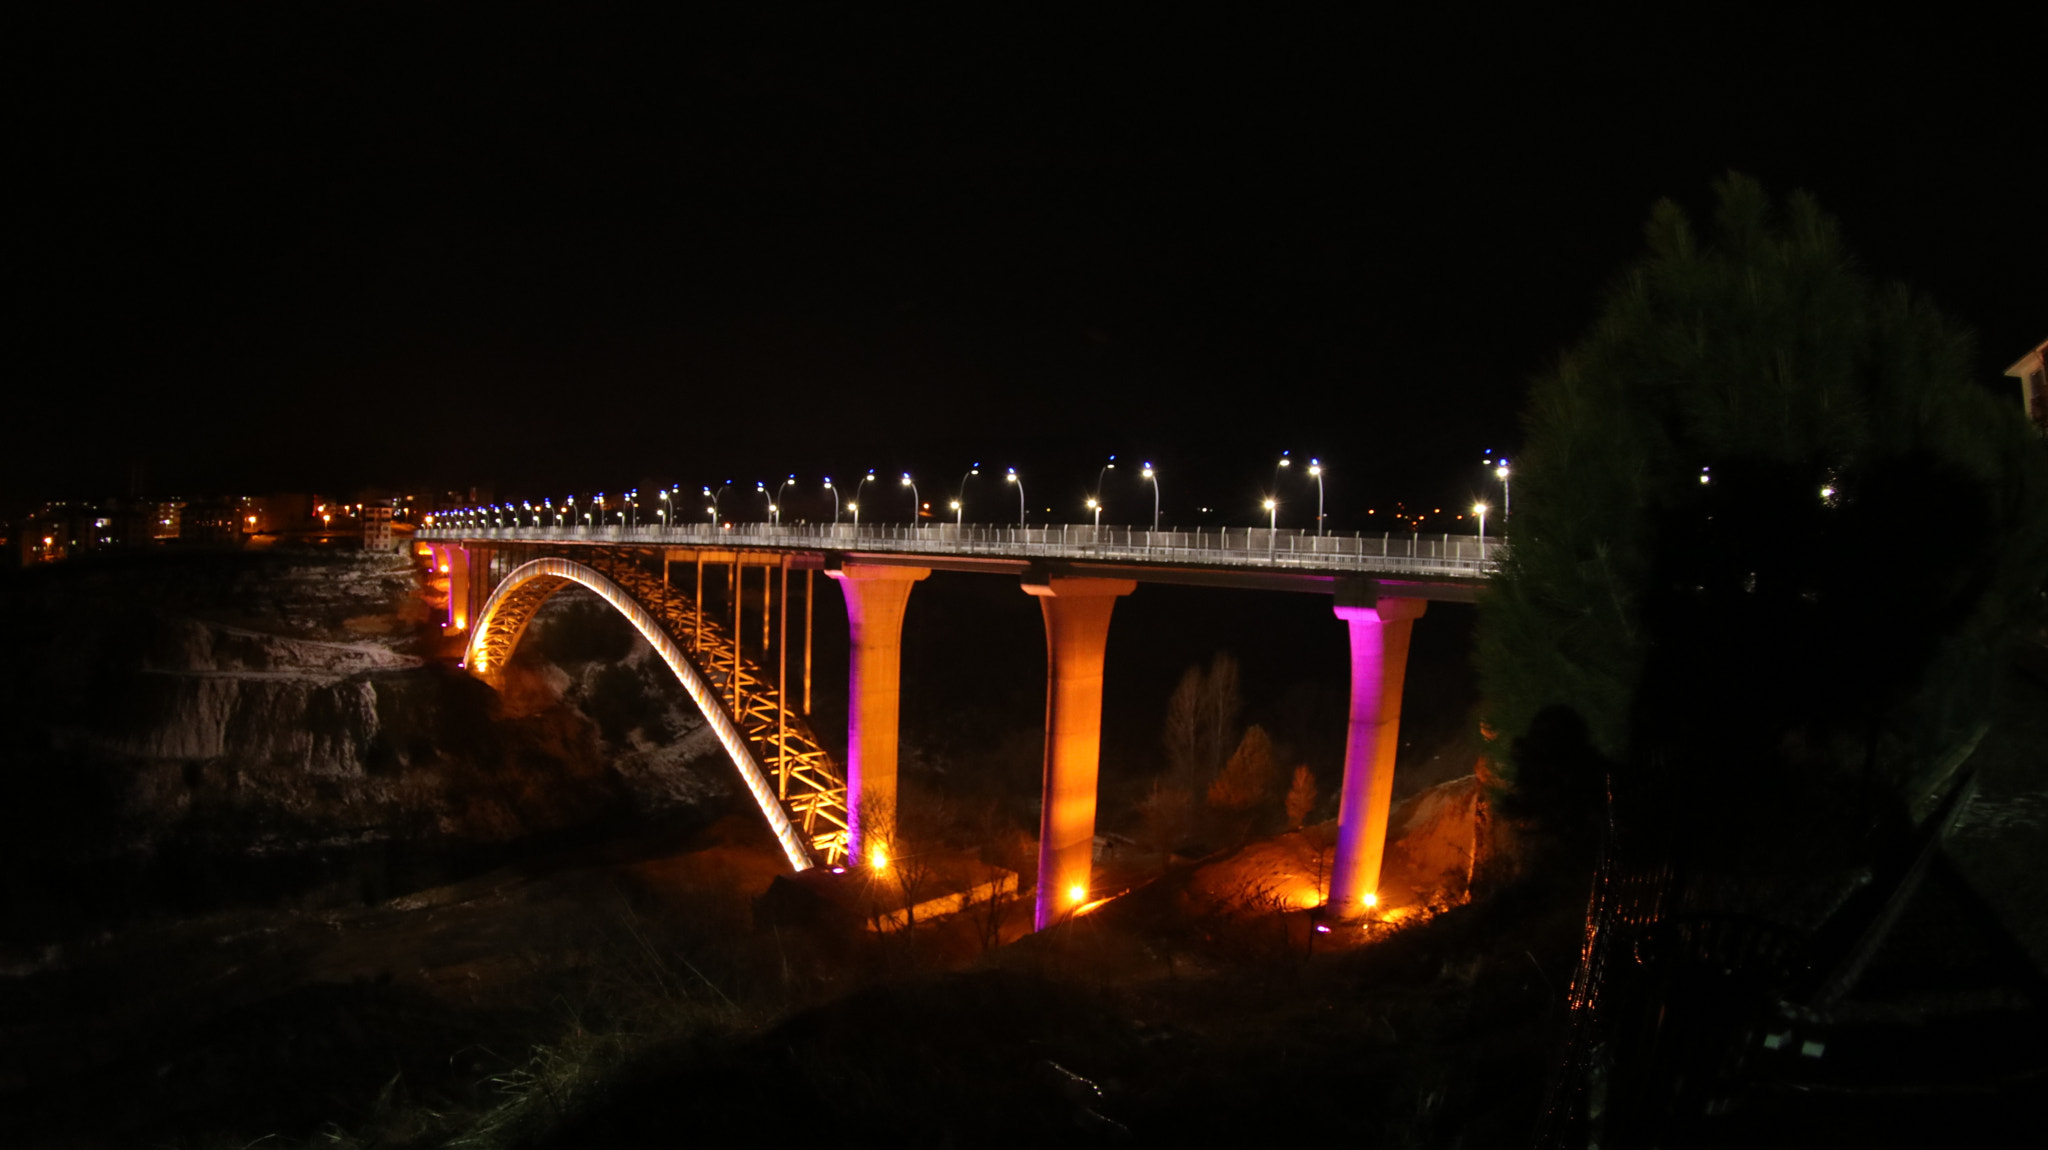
(1077, 892)
(1372, 900)
(878, 858)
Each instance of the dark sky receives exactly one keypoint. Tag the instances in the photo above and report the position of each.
(386, 245)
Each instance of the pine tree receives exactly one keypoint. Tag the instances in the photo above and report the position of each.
(1766, 524)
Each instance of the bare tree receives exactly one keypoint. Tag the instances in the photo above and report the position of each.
(1248, 777)
(1221, 703)
(1201, 722)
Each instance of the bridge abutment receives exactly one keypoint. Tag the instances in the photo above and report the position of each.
(875, 600)
(1077, 613)
(1379, 665)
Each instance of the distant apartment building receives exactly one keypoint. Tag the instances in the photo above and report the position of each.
(214, 521)
(376, 517)
(167, 518)
(2032, 372)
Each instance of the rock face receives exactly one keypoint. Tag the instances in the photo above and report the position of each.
(209, 691)
(1431, 840)
(232, 706)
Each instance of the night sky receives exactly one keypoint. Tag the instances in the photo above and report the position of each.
(382, 245)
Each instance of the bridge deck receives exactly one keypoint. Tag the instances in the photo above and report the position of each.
(1444, 567)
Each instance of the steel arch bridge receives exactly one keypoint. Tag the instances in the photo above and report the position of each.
(800, 790)
(498, 578)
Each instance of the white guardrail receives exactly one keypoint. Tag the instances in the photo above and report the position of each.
(1287, 548)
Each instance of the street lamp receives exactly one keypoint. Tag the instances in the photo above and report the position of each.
(1272, 522)
(1148, 474)
(959, 516)
(1106, 469)
(779, 500)
(1479, 509)
(960, 497)
(1012, 477)
(855, 508)
(1096, 506)
(835, 498)
(1507, 497)
(915, 506)
(864, 481)
(766, 498)
(1315, 468)
(1286, 461)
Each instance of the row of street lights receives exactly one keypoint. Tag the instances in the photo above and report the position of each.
(627, 511)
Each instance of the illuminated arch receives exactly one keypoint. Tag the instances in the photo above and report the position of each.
(518, 599)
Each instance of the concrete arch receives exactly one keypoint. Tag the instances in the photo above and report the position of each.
(515, 602)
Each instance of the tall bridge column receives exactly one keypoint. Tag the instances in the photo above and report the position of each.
(456, 560)
(1379, 664)
(1076, 635)
(875, 599)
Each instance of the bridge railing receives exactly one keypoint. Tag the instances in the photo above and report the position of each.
(1230, 546)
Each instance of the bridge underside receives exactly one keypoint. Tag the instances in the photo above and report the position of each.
(826, 814)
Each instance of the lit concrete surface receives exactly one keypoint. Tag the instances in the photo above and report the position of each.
(1379, 666)
(875, 600)
(1077, 615)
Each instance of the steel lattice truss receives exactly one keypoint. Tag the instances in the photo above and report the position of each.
(807, 781)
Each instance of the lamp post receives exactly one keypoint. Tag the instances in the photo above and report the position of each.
(1507, 495)
(915, 506)
(1479, 509)
(835, 498)
(664, 508)
(1012, 477)
(959, 516)
(1149, 474)
(1315, 468)
(779, 500)
(855, 508)
(766, 498)
(960, 498)
(864, 481)
(1286, 461)
(1106, 469)
(1095, 505)
(1272, 524)
(726, 486)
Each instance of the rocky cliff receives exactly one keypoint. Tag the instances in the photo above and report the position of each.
(297, 713)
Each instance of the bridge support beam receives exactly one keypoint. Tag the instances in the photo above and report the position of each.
(875, 600)
(1077, 615)
(456, 560)
(1379, 664)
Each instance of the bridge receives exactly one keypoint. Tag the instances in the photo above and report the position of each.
(499, 577)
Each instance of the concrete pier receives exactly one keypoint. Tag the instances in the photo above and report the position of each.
(1379, 665)
(875, 600)
(1077, 615)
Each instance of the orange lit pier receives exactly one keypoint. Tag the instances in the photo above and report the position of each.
(499, 577)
